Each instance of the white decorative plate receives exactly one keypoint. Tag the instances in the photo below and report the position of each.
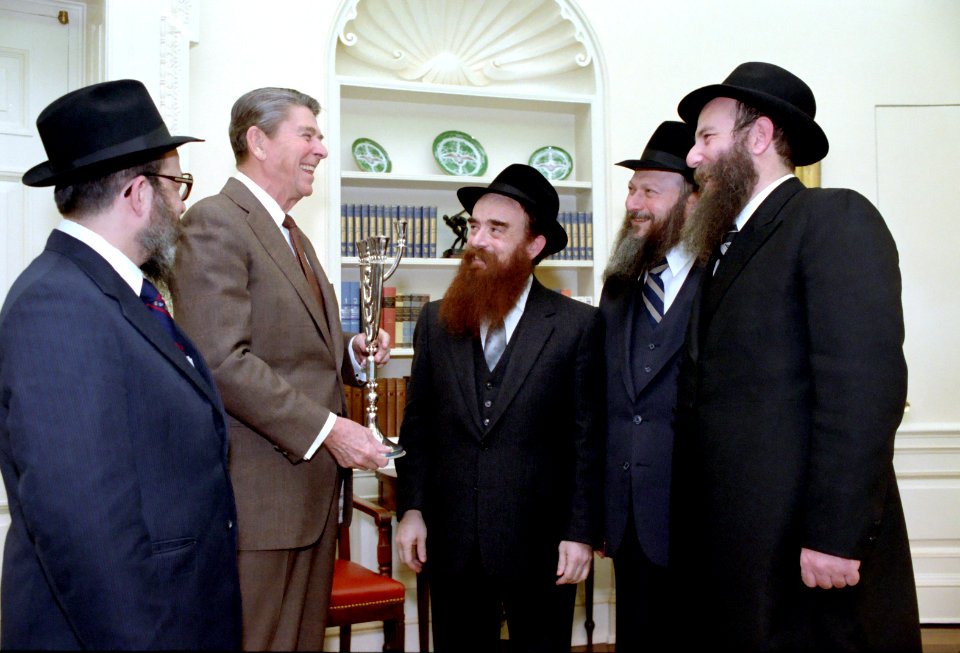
(459, 154)
(553, 162)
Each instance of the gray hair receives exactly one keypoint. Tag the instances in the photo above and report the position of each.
(91, 196)
(265, 108)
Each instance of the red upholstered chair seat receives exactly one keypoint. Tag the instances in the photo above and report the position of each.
(359, 590)
(359, 594)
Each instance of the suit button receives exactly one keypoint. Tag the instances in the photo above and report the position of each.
(647, 368)
(488, 385)
(651, 346)
(637, 419)
(486, 421)
(626, 465)
(229, 524)
(487, 403)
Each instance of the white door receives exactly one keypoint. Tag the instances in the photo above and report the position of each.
(916, 160)
(40, 60)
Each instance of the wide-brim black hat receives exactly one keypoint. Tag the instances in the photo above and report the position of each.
(778, 94)
(667, 150)
(100, 129)
(537, 196)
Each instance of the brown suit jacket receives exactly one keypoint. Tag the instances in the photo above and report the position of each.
(279, 360)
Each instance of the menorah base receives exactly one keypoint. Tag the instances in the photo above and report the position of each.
(396, 451)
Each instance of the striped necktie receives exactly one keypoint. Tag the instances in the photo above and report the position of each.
(653, 292)
(724, 246)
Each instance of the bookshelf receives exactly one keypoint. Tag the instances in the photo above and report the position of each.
(554, 98)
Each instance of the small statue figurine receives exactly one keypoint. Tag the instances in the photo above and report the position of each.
(457, 224)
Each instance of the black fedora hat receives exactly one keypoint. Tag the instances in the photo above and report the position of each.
(777, 93)
(100, 129)
(537, 196)
(666, 150)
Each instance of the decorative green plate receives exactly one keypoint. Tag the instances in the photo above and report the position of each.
(553, 162)
(459, 154)
(370, 157)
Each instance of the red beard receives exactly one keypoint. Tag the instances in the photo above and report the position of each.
(483, 294)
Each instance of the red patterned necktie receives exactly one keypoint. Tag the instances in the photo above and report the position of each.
(158, 308)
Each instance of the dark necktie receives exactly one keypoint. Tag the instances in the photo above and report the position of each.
(725, 245)
(653, 293)
(495, 343)
(308, 272)
(158, 308)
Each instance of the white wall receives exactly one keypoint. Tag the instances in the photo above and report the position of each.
(855, 55)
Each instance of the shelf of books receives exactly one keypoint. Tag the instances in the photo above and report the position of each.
(389, 169)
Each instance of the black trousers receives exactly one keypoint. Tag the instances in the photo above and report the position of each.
(644, 599)
(468, 605)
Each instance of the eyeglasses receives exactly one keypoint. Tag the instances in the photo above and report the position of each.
(184, 182)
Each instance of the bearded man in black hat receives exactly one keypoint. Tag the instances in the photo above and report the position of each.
(791, 391)
(650, 282)
(503, 432)
(113, 443)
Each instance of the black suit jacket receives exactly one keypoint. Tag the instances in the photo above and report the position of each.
(113, 450)
(530, 478)
(791, 392)
(641, 398)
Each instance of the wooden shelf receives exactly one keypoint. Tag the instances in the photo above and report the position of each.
(448, 263)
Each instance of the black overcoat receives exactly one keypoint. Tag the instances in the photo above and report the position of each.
(791, 391)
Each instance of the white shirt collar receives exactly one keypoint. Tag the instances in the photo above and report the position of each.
(512, 318)
(757, 200)
(270, 204)
(128, 270)
(678, 258)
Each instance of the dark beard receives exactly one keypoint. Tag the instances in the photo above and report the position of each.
(732, 179)
(159, 241)
(483, 294)
(633, 255)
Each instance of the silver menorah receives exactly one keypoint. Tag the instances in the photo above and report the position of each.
(372, 252)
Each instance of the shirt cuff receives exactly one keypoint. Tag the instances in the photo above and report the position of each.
(359, 370)
(324, 432)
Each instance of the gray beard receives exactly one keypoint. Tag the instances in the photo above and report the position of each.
(633, 255)
(625, 261)
(159, 241)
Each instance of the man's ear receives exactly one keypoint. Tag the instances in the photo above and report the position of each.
(255, 142)
(761, 135)
(535, 246)
(138, 195)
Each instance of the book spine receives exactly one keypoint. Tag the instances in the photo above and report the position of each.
(401, 401)
(589, 227)
(388, 312)
(343, 230)
(390, 405)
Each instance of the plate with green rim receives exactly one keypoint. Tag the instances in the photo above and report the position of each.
(553, 162)
(458, 153)
(370, 156)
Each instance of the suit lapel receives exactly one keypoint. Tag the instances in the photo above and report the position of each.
(460, 366)
(670, 341)
(758, 229)
(629, 300)
(528, 340)
(132, 308)
(276, 246)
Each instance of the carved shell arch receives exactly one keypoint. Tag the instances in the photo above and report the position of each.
(466, 42)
